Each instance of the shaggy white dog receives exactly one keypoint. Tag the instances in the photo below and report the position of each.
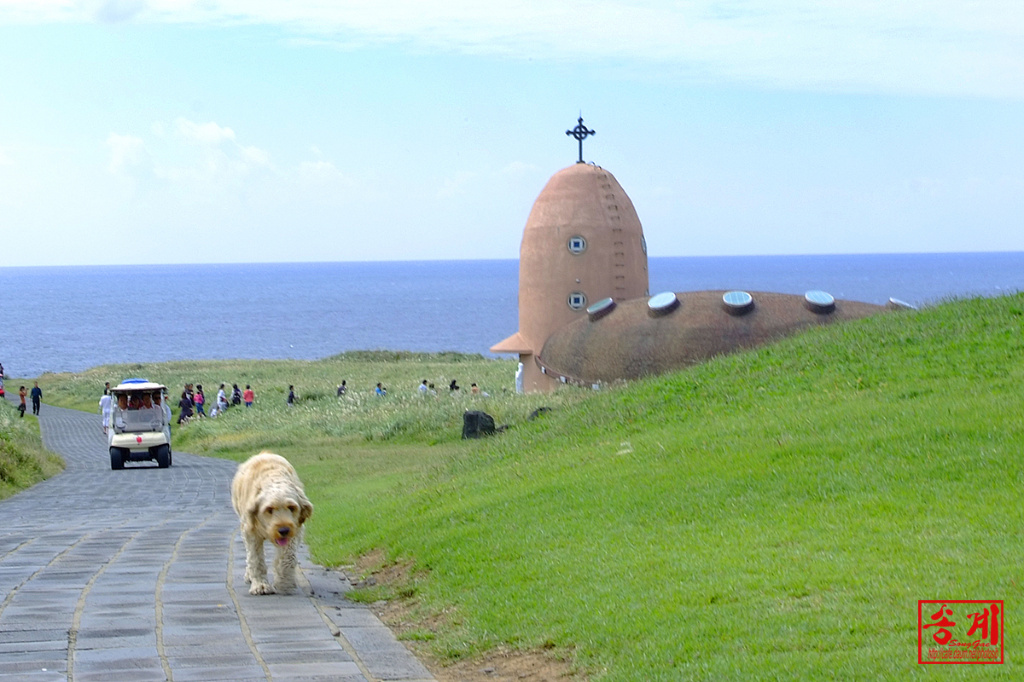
(268, 497)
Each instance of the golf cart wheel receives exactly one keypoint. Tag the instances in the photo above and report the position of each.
(116, 459)
(163, 456)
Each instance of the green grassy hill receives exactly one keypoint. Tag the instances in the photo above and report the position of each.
(771, 515)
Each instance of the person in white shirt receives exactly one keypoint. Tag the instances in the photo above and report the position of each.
(105, 409)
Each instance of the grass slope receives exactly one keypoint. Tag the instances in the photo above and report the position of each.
(771, 515)
(23, 461)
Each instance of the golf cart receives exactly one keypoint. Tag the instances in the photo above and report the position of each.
(140, 424)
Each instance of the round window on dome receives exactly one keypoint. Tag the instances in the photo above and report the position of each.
(662, 304)
(577, 300)
(577, 245)
(600, 309)
(737, 302)
(901, 305)
(820, 302)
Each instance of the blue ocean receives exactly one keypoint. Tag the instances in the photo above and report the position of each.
(66, 319)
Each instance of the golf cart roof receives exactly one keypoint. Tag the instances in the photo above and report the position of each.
(129, 385)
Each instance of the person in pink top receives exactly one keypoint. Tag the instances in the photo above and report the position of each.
(248, 396)
(200, 400)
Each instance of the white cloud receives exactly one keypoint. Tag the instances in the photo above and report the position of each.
(204, 133)
(211, 153)
(916, 46)
(126, 152)
(318, 170)
(518, 169)
(254, 156)
(456, 185)
(203, 163)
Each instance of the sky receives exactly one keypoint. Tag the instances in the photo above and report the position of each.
(209, 131)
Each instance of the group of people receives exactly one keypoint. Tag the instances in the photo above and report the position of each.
(380, 390)
(36, 394)
(426, 388)
(193, 401)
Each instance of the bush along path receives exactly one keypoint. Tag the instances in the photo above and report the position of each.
(137, 575)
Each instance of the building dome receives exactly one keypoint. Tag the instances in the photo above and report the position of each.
(583, 242)
(670, 331)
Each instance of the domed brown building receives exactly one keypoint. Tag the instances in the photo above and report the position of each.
(582, 243)
(584, 312)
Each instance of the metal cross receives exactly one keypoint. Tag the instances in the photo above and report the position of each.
(580, 132)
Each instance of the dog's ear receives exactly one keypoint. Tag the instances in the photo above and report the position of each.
(305, 509)
(254, 509)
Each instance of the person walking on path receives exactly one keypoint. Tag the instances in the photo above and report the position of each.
(291, 396)
(21, 407)
(37, 397)
(105, 408)
(248, 396)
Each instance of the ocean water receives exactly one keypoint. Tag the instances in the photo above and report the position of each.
(61, 319)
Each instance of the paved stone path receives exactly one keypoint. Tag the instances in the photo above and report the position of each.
(137, 575)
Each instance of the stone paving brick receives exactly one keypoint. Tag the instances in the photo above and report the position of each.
(239, 673)
(131, 574)
(36, 676)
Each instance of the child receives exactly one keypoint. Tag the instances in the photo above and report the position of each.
(200, 400)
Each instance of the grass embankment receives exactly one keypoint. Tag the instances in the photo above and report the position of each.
(770, 515)
(319, 416)
(23, 461)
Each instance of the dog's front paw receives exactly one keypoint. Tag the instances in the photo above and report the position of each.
(260, 587)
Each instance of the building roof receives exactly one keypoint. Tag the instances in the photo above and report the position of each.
(513, 344)
(669, 331)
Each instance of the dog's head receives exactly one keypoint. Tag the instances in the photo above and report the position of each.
(279, 514)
